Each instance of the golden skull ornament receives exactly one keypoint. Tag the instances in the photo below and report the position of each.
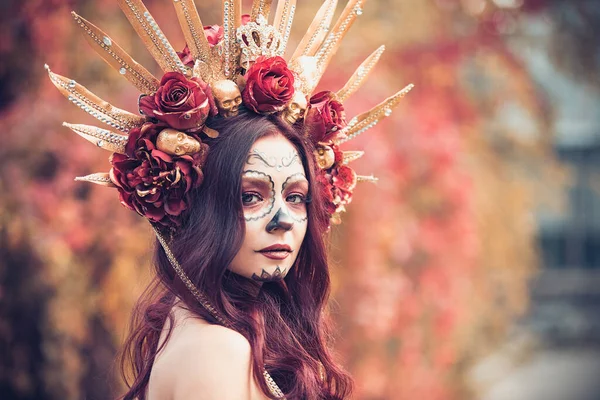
(228, 97)
(177, 143)
(296, 108)
(325, 156)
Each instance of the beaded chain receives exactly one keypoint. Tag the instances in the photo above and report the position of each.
(275, 390)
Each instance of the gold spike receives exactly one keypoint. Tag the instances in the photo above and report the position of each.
(315, 34)
(369, 119)
(370, 178)
(360, 76)
(350, 156)
(94, 105)
(116, 57)
(237, 8)
(284, 17)
(353, 9)
(232, 19)
(103, 138)
(305, 69)
(193, 30)
(260, 7)
(209, 72)
(100, 178)
(152, 36)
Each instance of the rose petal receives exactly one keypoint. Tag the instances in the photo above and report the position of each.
(269, 87)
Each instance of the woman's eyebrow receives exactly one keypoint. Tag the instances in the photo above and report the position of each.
(298, 178)
(257, 177)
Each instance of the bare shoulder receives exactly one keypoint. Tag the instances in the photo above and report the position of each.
(203, 361)
(194, 334)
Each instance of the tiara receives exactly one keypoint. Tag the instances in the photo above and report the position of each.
(158, 153)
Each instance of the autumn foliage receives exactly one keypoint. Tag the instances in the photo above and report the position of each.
(429, 266)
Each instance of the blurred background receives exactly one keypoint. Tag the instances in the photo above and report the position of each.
(470, 271)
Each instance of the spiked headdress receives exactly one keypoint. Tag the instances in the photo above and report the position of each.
(221, 68)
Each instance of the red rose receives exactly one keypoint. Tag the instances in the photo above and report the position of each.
(344, 178)
(337, 186)
(183, 104)
(142, 138)
(326, 190)
(325, 117)
(269, 87)
(186, 57)
(214, 34)
(339, 154)
(153, 183)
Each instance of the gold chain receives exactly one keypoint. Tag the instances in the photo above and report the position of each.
(206, 304)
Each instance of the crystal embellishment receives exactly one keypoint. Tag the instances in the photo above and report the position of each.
(258, 39)
(106, 40)
(123, 71)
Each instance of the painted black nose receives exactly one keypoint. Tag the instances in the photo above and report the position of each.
(281, 220)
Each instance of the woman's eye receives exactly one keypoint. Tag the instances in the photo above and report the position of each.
(249, 199)
(296, 199)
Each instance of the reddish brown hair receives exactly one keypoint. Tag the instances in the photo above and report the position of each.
(285, 323)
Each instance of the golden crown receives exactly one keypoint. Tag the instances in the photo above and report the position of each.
(259, 39)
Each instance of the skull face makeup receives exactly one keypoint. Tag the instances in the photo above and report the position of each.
(274, 197)
(296, 109)
(325, 156)
(176, 143)
(228, 97)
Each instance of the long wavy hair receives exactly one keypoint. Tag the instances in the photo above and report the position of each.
(285, 322)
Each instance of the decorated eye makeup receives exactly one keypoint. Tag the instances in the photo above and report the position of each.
(296, 199)
(294, 190)
(249, 198)
(258, 195)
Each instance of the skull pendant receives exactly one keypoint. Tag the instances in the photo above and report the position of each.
(176, 143)
(325, 156)
(228, 97)
(296, 108)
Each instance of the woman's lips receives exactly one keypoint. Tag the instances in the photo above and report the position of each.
(275, 255)
(276, 251)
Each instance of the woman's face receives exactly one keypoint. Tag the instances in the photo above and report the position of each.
(274, 193)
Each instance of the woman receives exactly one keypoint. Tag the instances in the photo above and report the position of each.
(273, 300)
(240, 198)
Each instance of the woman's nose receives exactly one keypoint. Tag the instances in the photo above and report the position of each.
(281, 220)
